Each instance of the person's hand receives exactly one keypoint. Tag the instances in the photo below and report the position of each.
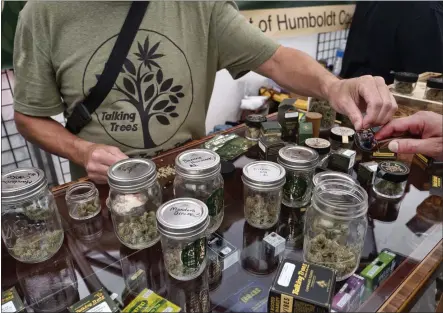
(98, 158)
(426, 125)
(364, 94)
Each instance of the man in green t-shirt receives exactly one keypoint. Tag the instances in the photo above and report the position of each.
(162, 93)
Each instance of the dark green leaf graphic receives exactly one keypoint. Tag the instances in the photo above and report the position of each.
(169, 109)
(156, 56)
(148, 78)
(162, 120)
(166, 85)
(129, 85)
(161, 105)
(173, 115)
(149, 92)
(173, 99)
(176, 88)
(159, 76)
(146, 44)
(141, 52)
(129, 66)
(180, 95)
(153, 49)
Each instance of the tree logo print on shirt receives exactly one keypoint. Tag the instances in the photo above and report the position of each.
(152, 95)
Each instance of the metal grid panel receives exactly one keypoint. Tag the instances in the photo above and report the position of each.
(328, 43)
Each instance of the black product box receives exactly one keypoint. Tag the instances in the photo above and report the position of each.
(342, 160)
(11, 301)
(99, 301)
(301, 287)
(288, 119)
(436, 185)
(366, 173)
(269, 147)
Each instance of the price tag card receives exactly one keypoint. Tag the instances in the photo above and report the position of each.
(11, 301)
(222, 249)
(99, 301)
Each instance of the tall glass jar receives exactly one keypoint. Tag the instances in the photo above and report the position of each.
(198, 176)
(134, 197)
(262, 192)
(299, 163)
(83, 201)
(31, 225)
(335, 226)
(183, 224)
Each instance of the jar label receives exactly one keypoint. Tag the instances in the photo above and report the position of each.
(198, 159)
(216, 202)
(295, 187)
(194, 254)
(19, 179)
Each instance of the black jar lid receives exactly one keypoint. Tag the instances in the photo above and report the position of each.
(435, 82)
(255, 119)
(322, 146)
(340, 133)
(406, 77)
(393, 171)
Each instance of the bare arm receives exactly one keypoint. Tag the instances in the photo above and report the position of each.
(54, 138)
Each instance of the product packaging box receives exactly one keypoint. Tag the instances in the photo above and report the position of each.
(366, 173)
(342, 160)
(269, 147)
(379, 269)
(149, 301)
(305, 131)
(301, 287)
(436, 185)
(11, 301)
(349, 298)
(275, 242)
(99, 301)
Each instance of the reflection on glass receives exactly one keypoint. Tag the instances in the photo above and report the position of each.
(50, 286)
(191, 295)
(88, 230)
(257, 256)
(291, 225)
(383, 209)
(142, 269)
(215, 262)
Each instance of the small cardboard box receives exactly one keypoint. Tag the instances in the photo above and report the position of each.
(436, 185)
(349, 298)
(305, 131)
(11, 301)
(99, 301)
(149, 301)
(366, 173)
(269, 147)
(342, 160)
(301, 287)
(379, 269)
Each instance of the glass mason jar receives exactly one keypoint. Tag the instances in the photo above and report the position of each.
(335, 226)
(342, 137)
(331, 175)
(322, 146)
(405, 83)
(31, 225)
(134, 197)
(390, 180)
(299, 163)
(198, 176)
(262, 192)
(83, 201)
(183, 224)
(434, 89)
(253, 126)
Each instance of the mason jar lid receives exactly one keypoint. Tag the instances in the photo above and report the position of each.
(264, 174)
(255, 118)
(342, 134)
(197, 163)
(393, 171)
(331, 175)
(22, 184)
(435, 82)
(406, 77)
(322, 146)
(182, 217)
(297, 157)
(131, 175)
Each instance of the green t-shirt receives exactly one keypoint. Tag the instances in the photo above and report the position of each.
(161, 96)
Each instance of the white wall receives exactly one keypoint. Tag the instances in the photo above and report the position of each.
(227, 93)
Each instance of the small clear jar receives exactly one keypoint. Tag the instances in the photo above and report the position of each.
(262, 192)
(134, 197)
(198, 176)
(183, 224)
(253, 126)
(331, 175)
(390, 180)
(31, 224)
(324, 108)
(434, 89)
(335, 226)
(322, 146)
(404, 82)
(299, 163)
(83, 201)
(341, 137)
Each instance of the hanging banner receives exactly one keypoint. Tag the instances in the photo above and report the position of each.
(290, 22)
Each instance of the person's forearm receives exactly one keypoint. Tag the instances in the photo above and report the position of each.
(296, 71)
(52, 137)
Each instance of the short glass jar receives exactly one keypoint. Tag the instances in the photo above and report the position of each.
(198, 176)
(299, 163)
(134, 196)
(342, 137)
(322, 146)
(253, 126)
(31, 225)
(83, 201)
(390, 180)
(262, 192)
(434, 89)
(183, 224)
(404, 82)
(335, 226)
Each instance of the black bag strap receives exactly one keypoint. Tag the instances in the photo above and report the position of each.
(82, 112)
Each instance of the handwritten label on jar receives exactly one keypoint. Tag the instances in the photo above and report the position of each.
(185, 210)
(216, 202)
(16, 180)
(194, 254)
(264, 172)
(193, 160)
